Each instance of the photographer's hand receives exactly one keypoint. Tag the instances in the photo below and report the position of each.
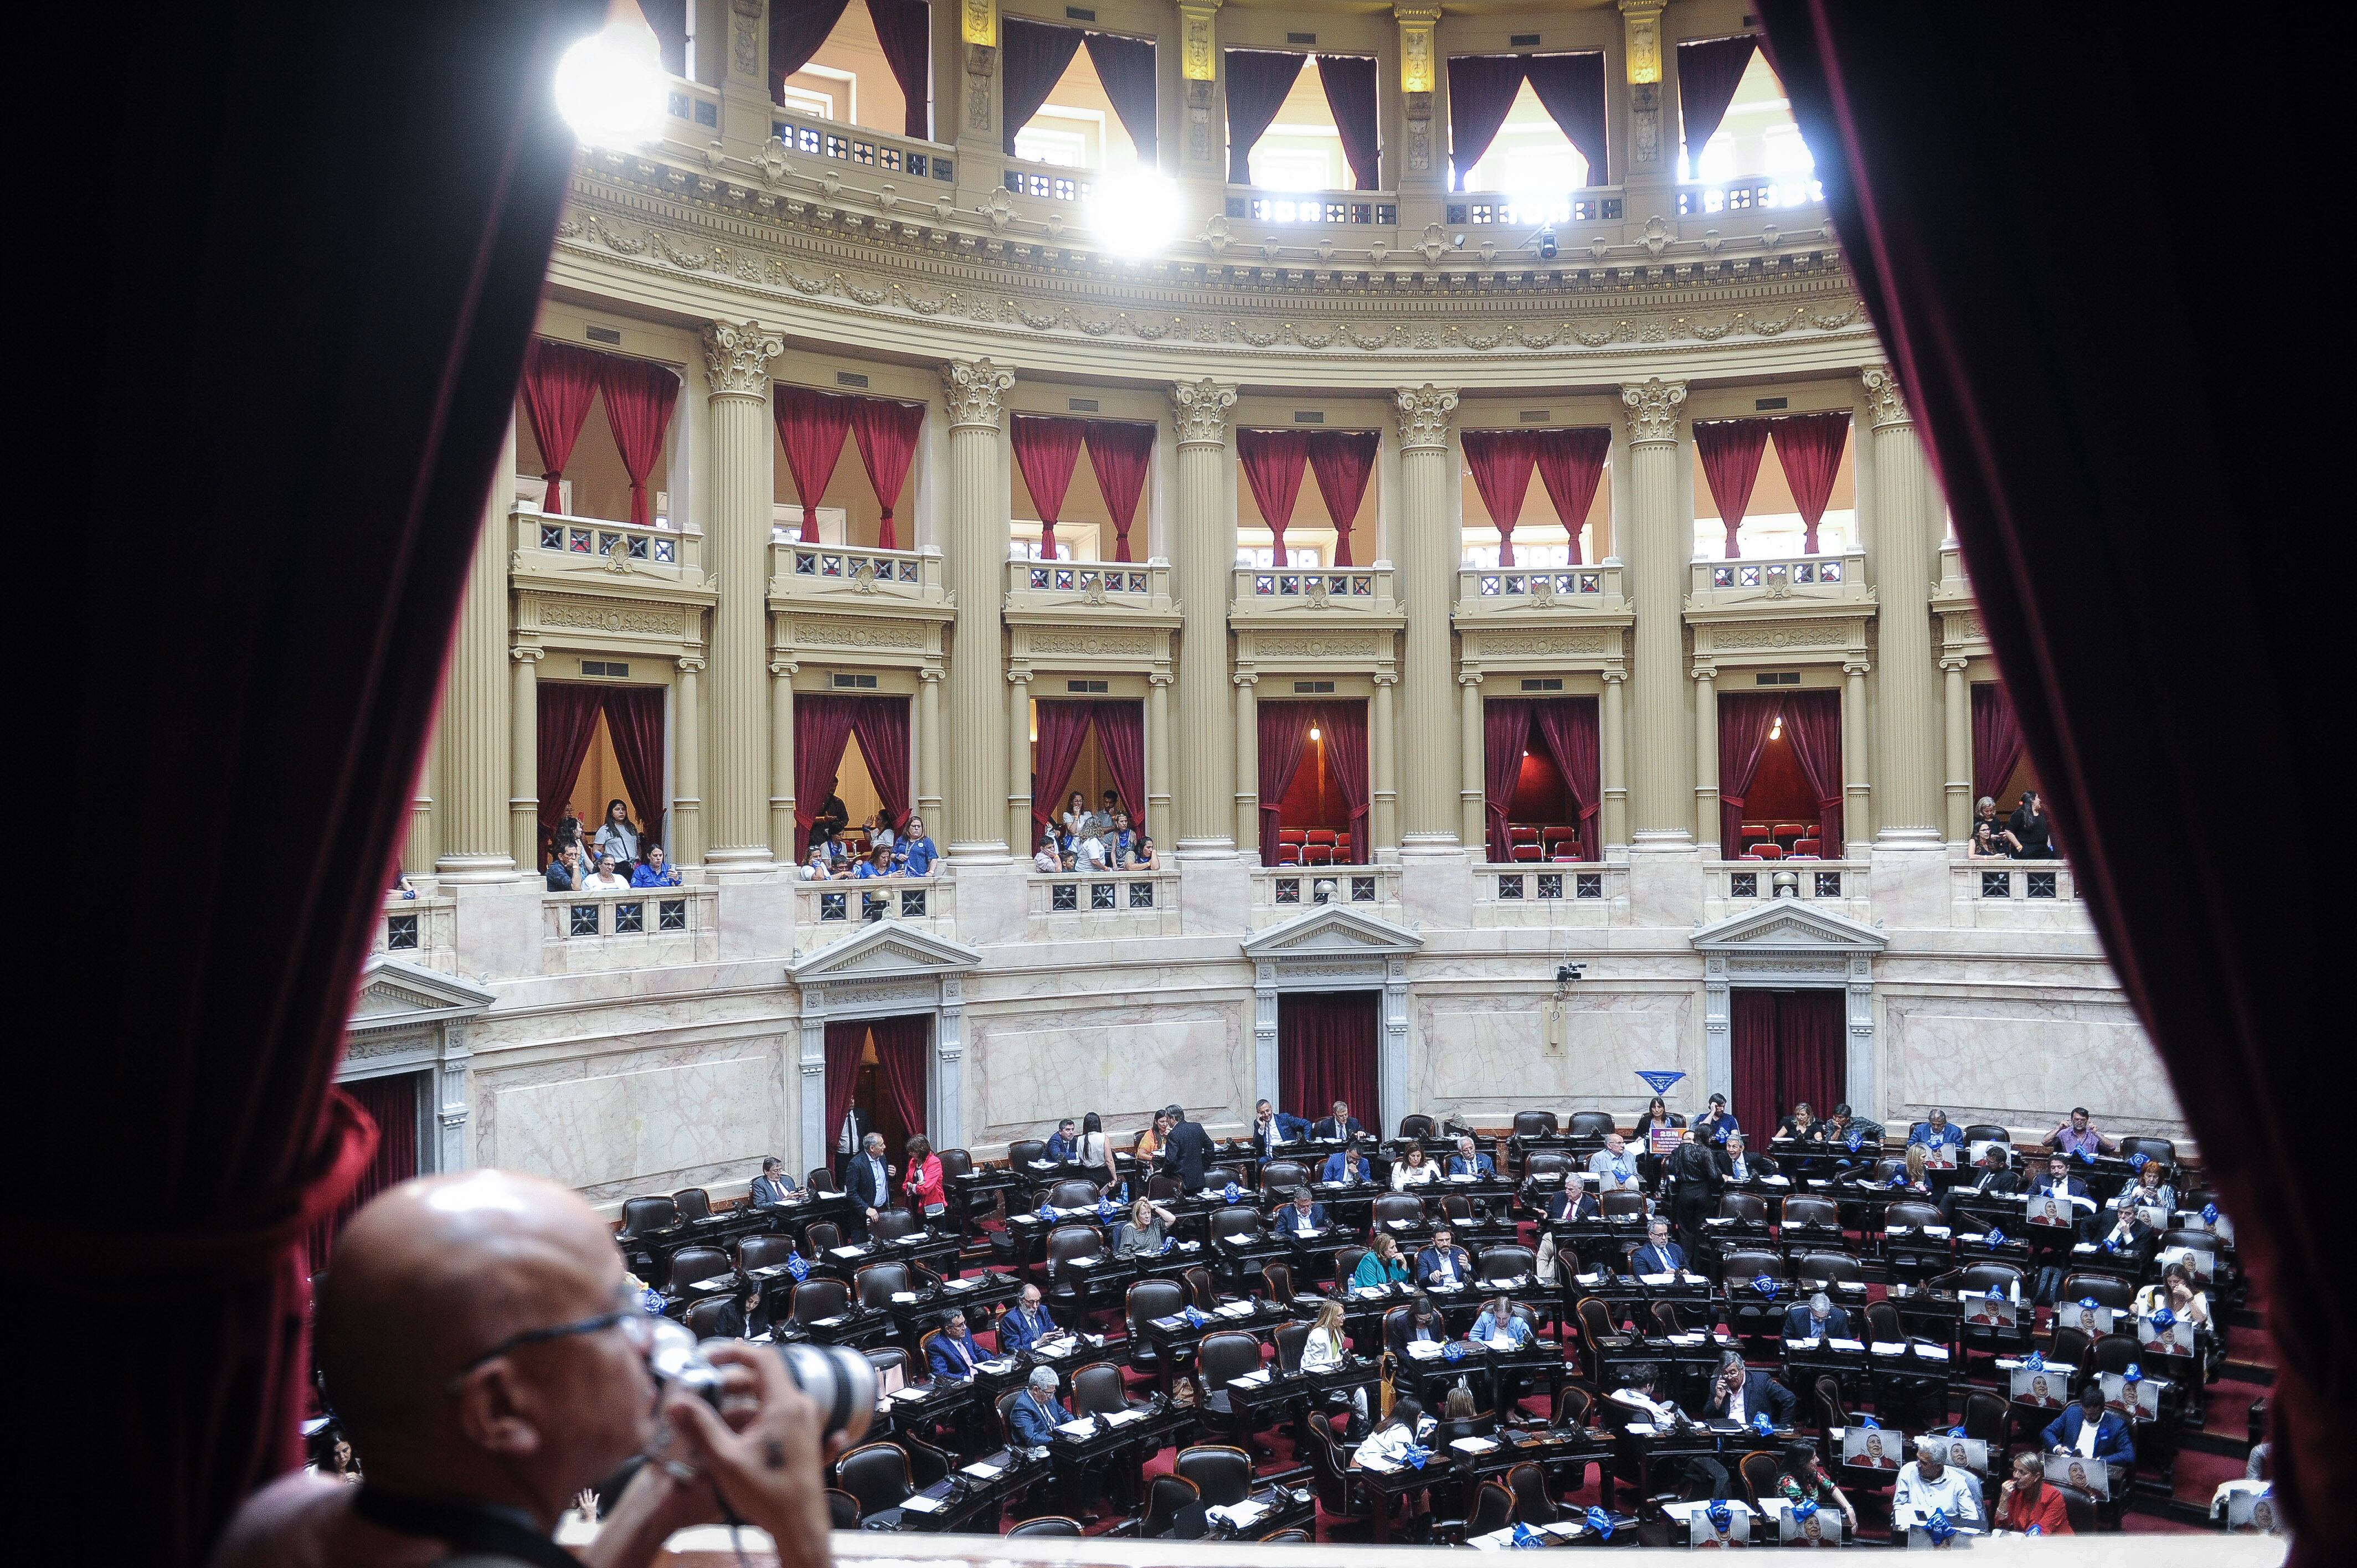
(770, 1474)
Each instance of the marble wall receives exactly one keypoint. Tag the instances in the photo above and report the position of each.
(1488, 1055)
(1026, 1071)
(2026, 1061)
(626, 1129)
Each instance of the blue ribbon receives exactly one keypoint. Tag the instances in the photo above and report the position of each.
(1527, 1539)
(1996, 1238)
(1105, 1210)
(1195, 1319)
(651, 1302)
(1763, 1284)
(1601, 1522)
(2089, 1300)
(1719, 1514)
(1416, 1456)
(1168, 1242)
(1937, 1528)
(2087, 1155)
(2035, 1530)
(2037, 1363)
(1231, 1193)
(796, 1267)
(1719, 1137)
(1803, 1511)
(1868, 1423)
(2210, 1213)
(1047, 1212)
(1898, 1178)
(2163, 1319)
(1856, 1139)
(2133, 1376)
(1761, 1424)
(2137, 1162)
(1958, 1432)
(1452, 1351)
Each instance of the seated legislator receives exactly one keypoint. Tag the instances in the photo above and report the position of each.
(1614, 1167)
(1659, 1255)
(1444, 1262)
(2057, 1181)
(1149, 1229)
(1064, 1143)
(1348, 1166)
(1800, 1478)
(1928, 1484)
(1499, 1324)
(1469, 1161)
(1717, 1123)
(773, 1186)
(1302, 1216)
(1638, 1394)
(1272, 1129)
(1421, 1323)
(2178, 1292)
(2026, 1504)
(1993, 1177)
(952, 1353)
(1338, 1126)
(1935, 1133)
(1036, 1412)
(1738, 1164)
(746, 1317)
(1837, 1134)
(1413, 1169)
(2126, 1237)
(2091, 1431)
(1381, 1264)
(1025, 1324)
(2078, 1136)
(2147, 1191)
(1737, 1394)
(1816, 1319)
(1568, 1202)
(1800, 1126)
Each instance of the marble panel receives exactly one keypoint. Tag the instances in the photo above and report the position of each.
(1911, 886)
(993, 902)
(1665, 887)
(1025, 1078)
(1496, 1057)
(619, 1127)
(755, 917)
(2025, 1063)
(1214, 896)
(497, 928)
(1436, 888)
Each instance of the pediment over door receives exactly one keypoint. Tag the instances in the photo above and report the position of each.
(395, 995)
(1331, 931)
(1789, 925)
(884, 951)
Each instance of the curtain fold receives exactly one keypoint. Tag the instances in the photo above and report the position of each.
(1119, 453)
(639, 398)
(1813, 723)
(1571, 465)
(1481, 89)
(811, 426)
(559, 381)
(1126, 69)
(669, 20)
(1063, 731)
(1729, 451)
(1326, 1052)
(1810, 446)
(1047, 450)
(634, 722)
(1343, 462)
(1757, 1100)
(1505, 735)
(1997, 742)
(1121, 735)
(885, 432)
(1708, 74)
(1501, 464)
(1812, 1048)
(904, 29)
(1032, 57)
(1257, 82)
(846, 1042)
(901, 1053)
(1283, 737)
(1344, 728)
(1272, 462)
(880, 725)
(798, 29)
(391, 1103)
(1349, 84)
(1744, 720)
(568, 722)
(1570, 88)
(1568, 728)
(821, 724)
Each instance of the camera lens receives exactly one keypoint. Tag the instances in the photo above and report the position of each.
(839, 1381)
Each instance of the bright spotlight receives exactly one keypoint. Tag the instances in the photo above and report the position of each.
(1135, 213)
(610, 86)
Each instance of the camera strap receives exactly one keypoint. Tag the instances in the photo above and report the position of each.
(464, 1527)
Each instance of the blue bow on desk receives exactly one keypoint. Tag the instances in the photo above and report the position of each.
(1763, 1284)
(1527, 1539)
(1601, 1522)
(1856, 1140)
(1047, 1212)
(1232, 1192)
(2037, 1363)
(796, 1267)
(1762, 1425)
(1719, 1514)
(1416, 1456)
(1195, 1319)
(1804, 1511)
(1868, 1423)
(1996, 1238)
(1452, 1351)
(2163, 1319)
(2137, 1162)
(1105, 1210)
(1937, 1528)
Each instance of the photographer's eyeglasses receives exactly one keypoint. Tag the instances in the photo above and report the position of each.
(667, 1346)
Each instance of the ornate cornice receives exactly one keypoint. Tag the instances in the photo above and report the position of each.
(1423, 414)
(971, 389)
(1201, 409)
(737, 357)
(1886, 399)
(1653, 411)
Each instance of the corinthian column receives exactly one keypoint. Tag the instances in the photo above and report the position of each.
(1902, 541)
(1430, 801)
(1204, 561)
(744, 487)
(476, 842)
(1661, 545)
(977, 574)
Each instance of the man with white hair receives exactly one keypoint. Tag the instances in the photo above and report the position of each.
(1036, 1412)
(1929, 1485)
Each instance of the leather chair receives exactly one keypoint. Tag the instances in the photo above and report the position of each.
(884, 1358)
(954, 1162)
(703, 1319)
(1745, 1206)
(822, 1180)
(1535, 1124)
(647, 1217)
(1277, 1282)
(927, 1463)
(1879, 1172)
(2159, 1149)
(1534, 1503)
(2113, 1353)
(1391, 1206)
(1830, 1410)
(1099, 1388)
(1882, 1323)
(1280, 1177)
(876, 1476)
(2079, 1507)
(1219, 1179)
(1289, 1341)
(690, 1264)
(2067, 1347)
(762, 1251)
(1665, 1318)
(1747, 1317)
(877, 1281)
(1621, 1203)
(1162, 1189)
(1147, 1300)
(1005, 1402)
(1053, 1524)
(1572, 1405)
(1493, 1509)
(1164, 1499)
(1915, 1213)
(693, 1203)
(1506, 1263)
(817, 1297)
(1223, 1473)
(842, 1510)
(1075, 1192)
(1987, 1133)
(1812, 1270)
(1220, 1359)
(1417, 1126)
(1288, 1537)
(824, 1236)
(1201, 1292)
(1022, 1153)
(1985, 1414)
(1338, 1502)
(1808, 1209)
(1238, 1221)
(891, 1224)
(2103, 1290)
(1595, 1125)
(1547, 1166)
(1065, 1243)
(1759, 1472)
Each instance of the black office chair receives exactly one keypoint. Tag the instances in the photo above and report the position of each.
(1277, 1282)
(1492, 1509)
(879, 1283)
(1505, 1263)
(693, 1203)
(1591, 1124)
(1340, 1504)
(1346, 1264)
(1814, 1271)
(2159, 1149)
(876, 1476)
(647, 1217)
(703, 1319)
(1279, 1178)
(1535, 1124)
(1049, 1524)
(1166, 1497)
(1985, 1414)
(1220, 1359)
(1621, 1205)
(1074, 1192)
(1022, 1153)
(1223, 1473)
(891, 1224)
(692, 1265)
(1808, 1209)
(1417, 1126)
(1987, 1133)
(1147, 1300)
(763, 1252)
(1548, 1167)
(1747, 1207)
(842, 1510)
(1099, 1388)
(1533, 1504)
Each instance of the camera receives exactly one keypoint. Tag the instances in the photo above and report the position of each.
(1566, 973)
(841, 1382)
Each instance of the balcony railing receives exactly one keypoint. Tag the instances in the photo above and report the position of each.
(628, 928)
(1601, 204)
(1551, 893)
(2015, 894)
(1281, 892)
(1132, 584)
(1587, 586)
(879, 151)
(1777, 576)
(1748, 194)
(827, 571)
(559, 541)
(422, 931)
(830, 906)
(1356, 208)
(1361, 588)
(1104, 903)
(1839, 886)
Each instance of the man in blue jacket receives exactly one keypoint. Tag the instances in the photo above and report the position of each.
(1272, 1129)
(1035, 1414)
(1301, 1216)
(2115, 1440)
(1659, 1255)
(1816, 1319)
(1064, 1144)
(1347, 1165)
(1937, 1132)
(1443, 1263)
(1025, 1324)
(952, 1353)
(1469, 1160)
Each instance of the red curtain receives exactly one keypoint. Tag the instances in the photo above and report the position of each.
(1121, 733)
(1481, 89)
(1047, 451)
(1258, 80)
(885, 432)
(1729, 450)
(904, 29)
(1571, 465)
(1344, 728)
(822, 725)
(1708, 74)
(1349, 84)
(1063, 731)
(1570, 88)
(1501, 463)
(1567, 728)
(634, 721)
(559, 381)
(1505, 735)
(798, 29)
(1758, 1100)
(845, 1044)
(1342, 461)
(1272, 461)
(639, 398)
(1744, 720)
(1283, 737)
(880, 725)
(1032, 58)
(568, 722)
(1126, 70)
(1810, 448)
(1785, 1047)
(1118, 455)
(810, 425)
(392, 1105)
(1813, 723)
(1326, 1052)
(1998, 745)
(901, 1053)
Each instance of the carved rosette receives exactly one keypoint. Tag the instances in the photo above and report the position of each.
(1424, 414)
(1653, 411)
(1202, 411)
(737, 357)
(1886, 399)
(972, 389)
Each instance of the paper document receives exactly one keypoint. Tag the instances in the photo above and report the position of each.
(920, 1503)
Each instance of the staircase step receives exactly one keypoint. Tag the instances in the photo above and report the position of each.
(2233, 1370)
(2224, 1444)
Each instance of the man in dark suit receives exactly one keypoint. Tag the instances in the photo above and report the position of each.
(1659, 1254)
(1301, 1216)
(1348, 1165)
(1739, 1393)
(1272, 1129)
(1696, 1184)
(1443, 1263)
(773, 1186)
(1025, 1324)
(1186, 1151)
(1419, 1320)
(1736, 1162)
(1341, 1124)
(869, 1181)
(1993, 1177)
(2114, 1440)
(1816, 1319)
(1035, 1414)
(952, 1353)
(1469, 1160)
(1064, 1144)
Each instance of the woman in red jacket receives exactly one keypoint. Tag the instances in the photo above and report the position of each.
(2027, 1501)
(922, 1181)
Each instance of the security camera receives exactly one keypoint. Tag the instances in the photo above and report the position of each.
(1546, 244)
(1569, 973)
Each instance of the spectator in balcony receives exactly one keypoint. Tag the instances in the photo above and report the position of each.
(820, 867)
(1985, 845)
(606, 879)
(834, 816)
(915, 850)
(1050, 856)
(565, 871)
(1984, 817)
(878, 864)
(1146, 860)
(1413, 1170)
(655, 872)
(1121, 841)
(2032, 833)
(617, 835)
(569, 827)
(1077, 817)
(1084, 853)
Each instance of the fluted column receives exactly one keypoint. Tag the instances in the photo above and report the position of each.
(928, 747)
(687, 788)
(1612, 759)
(1020, 831)
(523, 757)
(1903, 538)
(1431, 793)
(1383, 763)
(1857, 790)
(782, 846)
(1157, 758)
(1247, 795)
(743, 488)
(1957, 706)
(977, 574)
(1661, 545)
(477, 843)
(1706, 693)
(1473, 793)
(417, 847)
(1203, 561)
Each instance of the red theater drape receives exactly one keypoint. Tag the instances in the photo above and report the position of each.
(1571, 465)
(1272, 461)
(1570, 88)
(1119, 454)
(1810, 448)
(1257, 82)
(901, 1053)
(1481, 89)
(1283, 736)
(392, 1105)
(904, 31)
(1785, 1048)
(846, 1042)
(1349, 84)
(1343, 462)
(1326, 1052)
(1757, 1099)
(1998, 745)
(1032, 60)
(1729, 451)
(880, 725)
(1125, 70)
(634, 722)
(1567, 727)
(1813, 724)
(1121, 735)
(559, 381)
(1344, 729)
(1505, 735)
(1744, 722)
(811, 426)
(1501, 463)
(1047, 451)
(568, 722)
(885, 432)
(639, 398)
(821, 724)
(1063, 731)
(1708, 74)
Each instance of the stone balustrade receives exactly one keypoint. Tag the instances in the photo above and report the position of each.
(825, 909)
(634, 928)
(1281, 892)
(1842, 887)
(846, 574)
(1080, 904)
(1550, 893)
(548, 541)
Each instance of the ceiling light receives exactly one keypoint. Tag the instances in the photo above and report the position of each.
(610, 87)
(1136, 213)
(1776, 731)
(1313, 732)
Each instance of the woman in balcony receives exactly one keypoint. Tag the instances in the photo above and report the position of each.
(915, 850)
(1145, 859)
(617, 835)
(878, 829)
(878, 864)
(655, 873)
(1076, 816)
(1984, 818)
